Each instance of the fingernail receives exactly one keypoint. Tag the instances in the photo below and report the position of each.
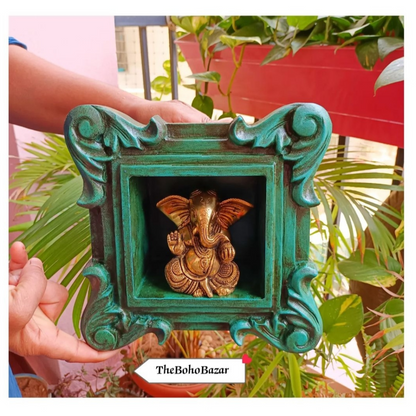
(36, 262)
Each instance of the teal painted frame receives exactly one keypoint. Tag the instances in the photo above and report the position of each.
(111, 150)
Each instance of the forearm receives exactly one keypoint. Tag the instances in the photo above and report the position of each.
(41, 94)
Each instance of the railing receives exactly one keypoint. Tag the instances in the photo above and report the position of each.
(142, 22)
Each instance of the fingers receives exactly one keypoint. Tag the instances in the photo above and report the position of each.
(14, 277)
(18, 256)
(27, 294)
(53, 300)
(224, 120)
(66, 347)
(179, 112)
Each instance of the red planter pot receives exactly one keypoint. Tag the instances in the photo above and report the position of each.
(167, 390)
(315, 74)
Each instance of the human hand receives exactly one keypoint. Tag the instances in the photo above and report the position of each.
(34, 304)
(171, 111)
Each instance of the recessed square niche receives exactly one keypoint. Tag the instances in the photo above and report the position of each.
(145, 229)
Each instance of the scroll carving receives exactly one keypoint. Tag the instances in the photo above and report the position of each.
(297, 325)
(94, 134)
(106, 325)
(300, 134)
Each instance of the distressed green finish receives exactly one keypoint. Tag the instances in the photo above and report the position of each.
(127, 168)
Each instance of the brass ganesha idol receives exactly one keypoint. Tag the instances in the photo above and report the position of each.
(204, 254)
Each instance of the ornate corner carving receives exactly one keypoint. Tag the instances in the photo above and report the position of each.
(297, 326)
(106, 325)
(300, 134)
(94, 135)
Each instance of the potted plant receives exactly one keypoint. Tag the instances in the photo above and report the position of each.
(254, 64)
(104, 382)
(181, 344)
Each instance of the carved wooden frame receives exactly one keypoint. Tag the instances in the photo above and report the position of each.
(111, 150)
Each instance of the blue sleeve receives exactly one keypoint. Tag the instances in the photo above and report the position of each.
(13, 41)
(14, 390)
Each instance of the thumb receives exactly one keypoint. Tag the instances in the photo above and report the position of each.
(27, 294)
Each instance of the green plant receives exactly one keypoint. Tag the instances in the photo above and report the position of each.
(271, 373)
(47, 186)
(373, 37)
(104, 383)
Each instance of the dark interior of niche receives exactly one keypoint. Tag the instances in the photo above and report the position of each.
(247, 234)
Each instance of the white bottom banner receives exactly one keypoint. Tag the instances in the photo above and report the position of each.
(193, 370)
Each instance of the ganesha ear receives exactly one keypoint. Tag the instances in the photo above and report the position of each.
(176, 208)
(231, 210)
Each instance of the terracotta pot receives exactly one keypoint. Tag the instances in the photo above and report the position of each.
(316, 74)
(167, 390)
(31, 385)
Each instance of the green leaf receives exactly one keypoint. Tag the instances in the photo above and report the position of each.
(161, 84)
(391, 331)
(166, 66)
(328, 214)
(76, 267)
(210, 76)
(272, 22)
(267, 373)
(277, 52)
(301, 22)
(204, 104)
(342, 23)
(388, 44)
(294, 374)
(367, 53)
(233, 41)
(355, 28)
(219, 47)
(256, 29)
(342, 318)
(301, 40)
(350, 215)
(192, 24)
(181, 58)
(395, 307)
(298, 42)
(369, 271)
(20, 227)
(71, 292)
(358, 38)
(376, 25)
(227, 114)
(78, 306)
(190, 86)
(394, 72)
(215, 36)
(398, 341)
